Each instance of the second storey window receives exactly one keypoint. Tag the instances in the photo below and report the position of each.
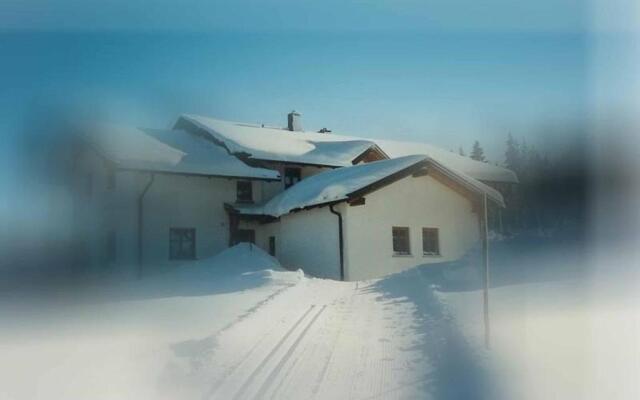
(182, 244)
(291, 177)
(401, 245)
(430, 242)
(244, 192)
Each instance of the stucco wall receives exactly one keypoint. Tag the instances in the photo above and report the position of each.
(186, 202)
(411, 202)
(307, 240)
(172, 201)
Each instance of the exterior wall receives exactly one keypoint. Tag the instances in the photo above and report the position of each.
(307, 240)
(92, 210)
(175, 201)
(172, 201)
(413, 202)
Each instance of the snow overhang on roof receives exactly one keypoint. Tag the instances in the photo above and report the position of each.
(167, 151)
(279, 144)
(346, 183)
(476, 169)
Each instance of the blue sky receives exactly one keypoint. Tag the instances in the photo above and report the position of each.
(447, 73)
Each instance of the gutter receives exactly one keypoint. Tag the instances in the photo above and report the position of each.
(340, 239)
(141, 221)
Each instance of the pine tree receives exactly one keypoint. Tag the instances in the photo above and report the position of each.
(461, 151)
(477, 153)
(513, 157)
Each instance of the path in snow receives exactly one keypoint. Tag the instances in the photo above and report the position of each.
(326, 339)
(233, 328)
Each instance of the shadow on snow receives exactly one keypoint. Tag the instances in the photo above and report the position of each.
(455, 371)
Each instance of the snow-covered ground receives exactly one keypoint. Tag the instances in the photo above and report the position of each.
(237, 326)
(559, 330)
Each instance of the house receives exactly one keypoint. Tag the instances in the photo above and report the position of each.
(154, 197)
(337, 206)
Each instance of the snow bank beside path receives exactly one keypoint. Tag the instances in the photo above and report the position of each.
(114, 342)
(553, 335)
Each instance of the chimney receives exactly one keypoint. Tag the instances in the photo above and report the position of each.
(294, 121)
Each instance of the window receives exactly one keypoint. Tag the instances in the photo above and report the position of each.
(272, 246)
(401, 245)
(291, 177)
(245, 236)
(182, 244)
(244, 192)
(430, 242)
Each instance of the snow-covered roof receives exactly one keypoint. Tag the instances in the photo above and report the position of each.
(169, 151)
(279, 144)
(308, 147)
(342, 183)
(479, 170)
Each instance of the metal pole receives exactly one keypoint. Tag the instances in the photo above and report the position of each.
(485, 262)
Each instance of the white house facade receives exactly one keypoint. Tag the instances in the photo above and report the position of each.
(336, 206)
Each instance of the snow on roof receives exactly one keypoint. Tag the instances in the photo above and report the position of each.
(279, 144)
(476, 169)
(470, 183)
(169, 151)
(338, 184)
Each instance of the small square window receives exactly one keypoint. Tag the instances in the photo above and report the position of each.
(244, 192)
(401, 243)
(182, 244)
(430, 242)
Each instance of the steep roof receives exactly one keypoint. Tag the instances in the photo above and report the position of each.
(349, 182)
(278, 144)
(168, 151)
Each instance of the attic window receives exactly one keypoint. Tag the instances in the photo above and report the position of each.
(291, 177)
(401, 243)
(244, 192)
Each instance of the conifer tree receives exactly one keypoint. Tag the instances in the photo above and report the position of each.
(477, 153)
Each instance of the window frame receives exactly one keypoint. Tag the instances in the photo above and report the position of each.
(241, 199)
(272, 246)
(436, 241)
(286, 175)
(396, 252)
(191, 255)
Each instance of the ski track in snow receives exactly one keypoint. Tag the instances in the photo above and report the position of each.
(314, 340)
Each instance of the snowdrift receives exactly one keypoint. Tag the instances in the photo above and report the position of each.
(237, 268)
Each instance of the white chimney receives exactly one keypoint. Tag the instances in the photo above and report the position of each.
(294, 121)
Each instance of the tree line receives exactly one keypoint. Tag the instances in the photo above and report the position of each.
(552, 191)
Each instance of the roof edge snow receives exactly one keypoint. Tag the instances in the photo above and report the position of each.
(408, 165)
